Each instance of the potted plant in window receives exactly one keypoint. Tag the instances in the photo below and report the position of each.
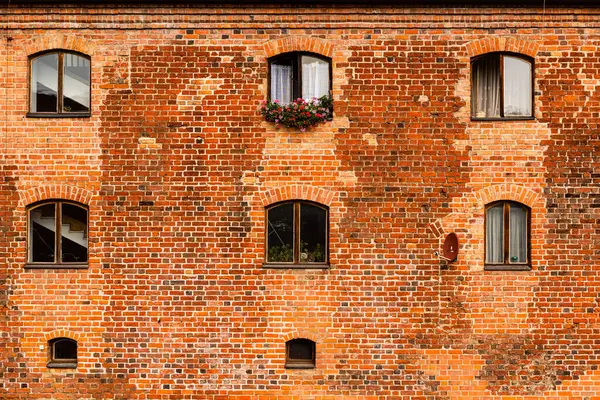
(300, 113)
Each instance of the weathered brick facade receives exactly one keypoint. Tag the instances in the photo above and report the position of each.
(177, 165)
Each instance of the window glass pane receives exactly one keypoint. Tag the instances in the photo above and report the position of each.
(281, 81)
(518, 233)
(486, 87)
(76, 83)
(42, 231)
(517, 87)
(280, 238)
(313, 233)
(315, 77)
(65, 349)
(300, 350)
(74, 239)
(494, 234)
(44, 83)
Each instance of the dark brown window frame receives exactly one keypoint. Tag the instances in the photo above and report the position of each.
(530, 60)
(296, 58)
(61, 362)
(57, 264)
(292, 363)
(59, 113)
(296, 263)
(507, 265)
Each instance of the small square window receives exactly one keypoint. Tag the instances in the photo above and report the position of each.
(507, 236)
(300, 354)
(63, 353)
(297, 235)
(59, 85)
(299, 75)
(502, 87)
(57, 235)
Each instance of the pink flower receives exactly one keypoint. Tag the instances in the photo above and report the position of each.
(318, 115)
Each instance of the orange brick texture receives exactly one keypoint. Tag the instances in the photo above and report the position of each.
(177, 165)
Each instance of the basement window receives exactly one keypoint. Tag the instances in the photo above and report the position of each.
(300, 354)
(297, 235)
(59, 85)
(299, 75)
(507, 236)
(63, 353)
(57, 235)
(502, 86)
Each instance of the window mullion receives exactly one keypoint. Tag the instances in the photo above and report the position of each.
(57, 251)
(506, 215)
(297, 77)
(296, 233)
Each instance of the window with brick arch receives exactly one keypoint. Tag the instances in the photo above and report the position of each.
(57, 235)
(297, 235)
(63, 353)
(502, 86)
(299, 75)
(59, 84)
(507, 236)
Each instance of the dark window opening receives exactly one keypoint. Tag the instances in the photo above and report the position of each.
(297, 233)
(502, 87)
(300, 353)
(507, 235)
(63, 353)
(60, 84)
(58, 233)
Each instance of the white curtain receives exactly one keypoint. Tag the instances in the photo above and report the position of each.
(315, 77)
(486, 72)
(518, 233)
(517, 87)
(494, 235)
(281, 83)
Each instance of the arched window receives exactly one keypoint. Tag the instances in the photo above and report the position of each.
(297, 234)
(59, 84)
(57, 234)
(63, 353)
(502, 86)
(299, 75)
(507, 235)
(300, 354)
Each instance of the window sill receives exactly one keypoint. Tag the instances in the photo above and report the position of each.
(502, 119)
(62, 365)
(300, 366)
(507, 267)
(295, 266)
(56, 266)
(57, 115)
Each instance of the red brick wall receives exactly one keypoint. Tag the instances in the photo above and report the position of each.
(177, 165)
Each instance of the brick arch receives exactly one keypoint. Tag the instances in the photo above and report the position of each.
(297, 192)
(301, 334)
(62, 333)
(499, 43)
(59, 41)
(296, 43)
(517, 193)
(64, 192)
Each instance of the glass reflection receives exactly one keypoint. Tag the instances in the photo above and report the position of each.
(280, 238)
(44, 83)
